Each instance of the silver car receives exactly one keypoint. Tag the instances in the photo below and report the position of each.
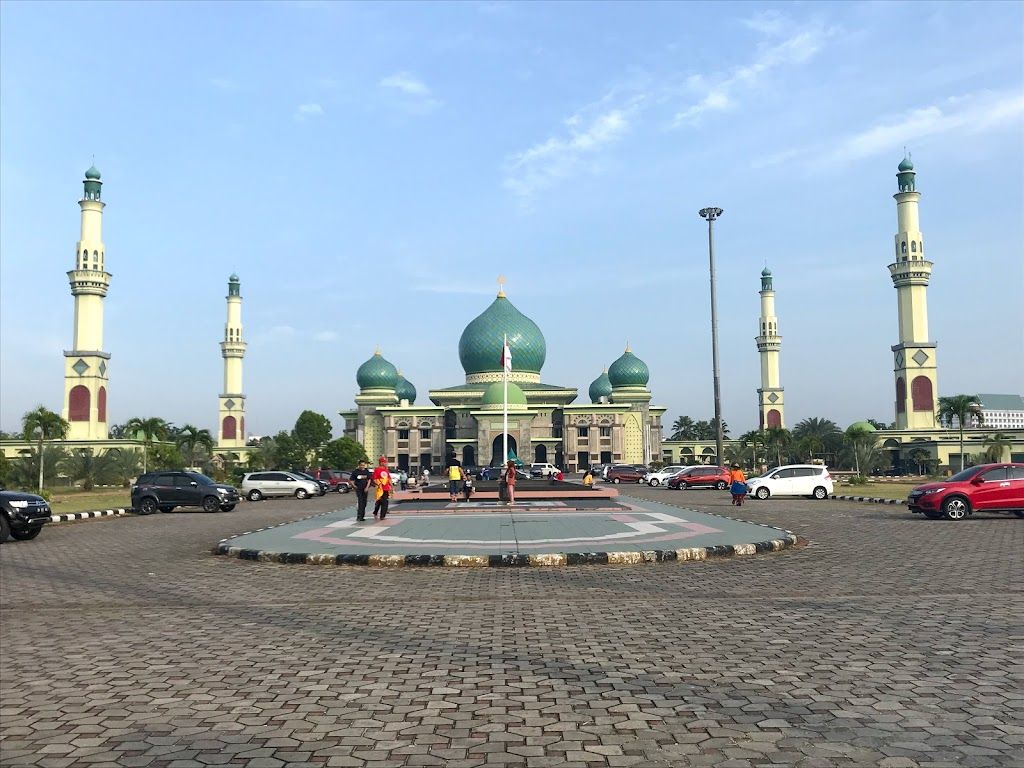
(258, 485)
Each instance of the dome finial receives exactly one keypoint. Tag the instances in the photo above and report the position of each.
(501, 286)
(376, 350)
(628, 348)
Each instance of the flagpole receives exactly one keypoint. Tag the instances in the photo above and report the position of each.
(504, 401)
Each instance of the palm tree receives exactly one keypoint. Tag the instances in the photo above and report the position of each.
(682, 428)
(124, 465)
(151, 429)
(960, 407)
(47, 425)
(995, 446)
(778, 438)
(189, 437)
(818, 436)
(758, 441)
(864, 447)
(86, 466)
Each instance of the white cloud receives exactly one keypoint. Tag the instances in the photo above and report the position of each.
(325, 336)
(406, 83)
(543, 164)
(309, 110)
(410, 93)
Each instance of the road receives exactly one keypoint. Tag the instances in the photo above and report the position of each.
(889, 640)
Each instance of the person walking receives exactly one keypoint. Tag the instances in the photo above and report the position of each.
(510, 482)
(737, 485)
(360, 478)
(454, 481)
(382, 486)
(425, 477)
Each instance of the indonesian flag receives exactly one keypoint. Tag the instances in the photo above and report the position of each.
(506, 357)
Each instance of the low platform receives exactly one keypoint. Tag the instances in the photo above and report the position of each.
(484, 532)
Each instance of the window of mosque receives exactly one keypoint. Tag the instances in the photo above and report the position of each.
(403, 434)
(913, 246)
(424, 433)
(606, 431)
(903, 246)
(583, 432)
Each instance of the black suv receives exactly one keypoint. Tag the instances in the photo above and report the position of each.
(166, 490)
(22, 515)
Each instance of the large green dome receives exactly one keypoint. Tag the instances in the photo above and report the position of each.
(600, 387)
(405, 390)
(494, 396)
(861, 426)
(628, 371)
(480, 344)
(377, 373)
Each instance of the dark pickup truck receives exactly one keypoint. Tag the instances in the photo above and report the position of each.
(22, 515)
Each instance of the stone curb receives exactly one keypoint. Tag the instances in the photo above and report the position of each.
(506, 561)
(869, 499)
(70, 516)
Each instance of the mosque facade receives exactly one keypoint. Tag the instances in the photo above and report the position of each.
(465, 421)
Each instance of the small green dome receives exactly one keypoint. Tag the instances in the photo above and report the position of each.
(861, 426)
(233, 278)
(628, 371)
(906, 164)
(377, 373)
(93, 173)
(494, 396)
(600, 387)
(405, 390)
(480, 343)
(766, 272)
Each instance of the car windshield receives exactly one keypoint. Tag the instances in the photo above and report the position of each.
(201, 479)
(964, 474)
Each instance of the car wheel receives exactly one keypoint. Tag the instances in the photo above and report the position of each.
(956, 508)
(210, 504)
(1019, 513)
(148, 506)
(820, 493)
(931, 514)
(721, 485)
(254, 495)
(345, 489)
(654, 482)
(762, 493)
(26, 534)
(615, 480)
(301, 493)
(227, 507)
(5, 528)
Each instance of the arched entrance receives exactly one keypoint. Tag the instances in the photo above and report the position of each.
(468, 456)
(496, 459)
(540, 454)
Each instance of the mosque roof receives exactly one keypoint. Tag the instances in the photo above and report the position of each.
(494, 395)
(481, 341)
(766, 272)
(906, 164)
(405, 390)
(377, 373)
(629, 371)
(600, 387)
(861, 426)
(93, 173)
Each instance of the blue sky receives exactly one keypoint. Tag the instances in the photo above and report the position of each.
(370, 169)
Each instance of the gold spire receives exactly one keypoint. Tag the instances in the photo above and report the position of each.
(628, 350)
(376, 352)
(501, 286)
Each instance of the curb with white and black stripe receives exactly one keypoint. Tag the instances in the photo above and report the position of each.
(506, 561)
(70, 516)
(868, 499)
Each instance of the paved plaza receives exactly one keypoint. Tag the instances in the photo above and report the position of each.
(888, 640)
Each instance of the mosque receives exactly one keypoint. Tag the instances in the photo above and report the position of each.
(465, 421)
(619, 425)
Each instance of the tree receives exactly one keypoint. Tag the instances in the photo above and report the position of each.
(166, 457)
(877, 424)
(5, 470)
(959, 407)
(25, 470)
(281, 451)
(683, 429)
(343, 453)
(863, 444)
(83, 465)
(151, 429)
(189, 439)
(995, 447)
(815, 435)
(311, 430)
(757, 440)
(45, 425)
(779, 439)
(124, 465)
(921, 458)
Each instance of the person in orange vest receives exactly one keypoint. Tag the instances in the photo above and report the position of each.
(737, 485)
(382, 486)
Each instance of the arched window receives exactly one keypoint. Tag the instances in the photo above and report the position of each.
(78, 403)
(901, 395)
(913, 246)
(903, 247)
(229, 428)
(774, 419)
(101, 404)
(921, 394)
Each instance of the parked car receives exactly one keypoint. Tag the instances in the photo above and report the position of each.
(664, 474)
(169, 489)
(701, 476)
(793, 480)
(984, 488)
(600, 470)
(543, 470)
(22, 515)
(322, 486)
(258, 485)
(625, 473)
(335, 479)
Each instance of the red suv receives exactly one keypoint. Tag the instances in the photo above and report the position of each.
(335, 479)
(701, 477)
(985, 488)
(625, 473)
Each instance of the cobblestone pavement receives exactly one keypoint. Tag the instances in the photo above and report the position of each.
(890, 640)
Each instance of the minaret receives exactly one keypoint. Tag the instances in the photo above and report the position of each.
(914, 357)
(770, 402)
(85, 364)
(231, 432)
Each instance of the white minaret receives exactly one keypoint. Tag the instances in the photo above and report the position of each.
(231, 429)
(914, 357)
(86, 364)
(770, 402)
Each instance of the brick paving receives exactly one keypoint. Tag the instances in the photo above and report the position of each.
(890, 640)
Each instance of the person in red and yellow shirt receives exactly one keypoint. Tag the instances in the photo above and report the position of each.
(382, 486)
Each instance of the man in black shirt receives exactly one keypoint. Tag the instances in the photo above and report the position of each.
(361, 482)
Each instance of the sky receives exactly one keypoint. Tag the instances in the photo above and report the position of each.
(369, 170)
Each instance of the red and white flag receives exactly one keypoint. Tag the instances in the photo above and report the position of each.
(506, 357)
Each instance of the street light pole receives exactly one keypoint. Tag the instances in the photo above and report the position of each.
(711, 214)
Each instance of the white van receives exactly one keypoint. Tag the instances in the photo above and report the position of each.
(793, 480)
(257, 485)
(543, 470)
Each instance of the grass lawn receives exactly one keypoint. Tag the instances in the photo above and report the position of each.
(877, 490)
(67, 500)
